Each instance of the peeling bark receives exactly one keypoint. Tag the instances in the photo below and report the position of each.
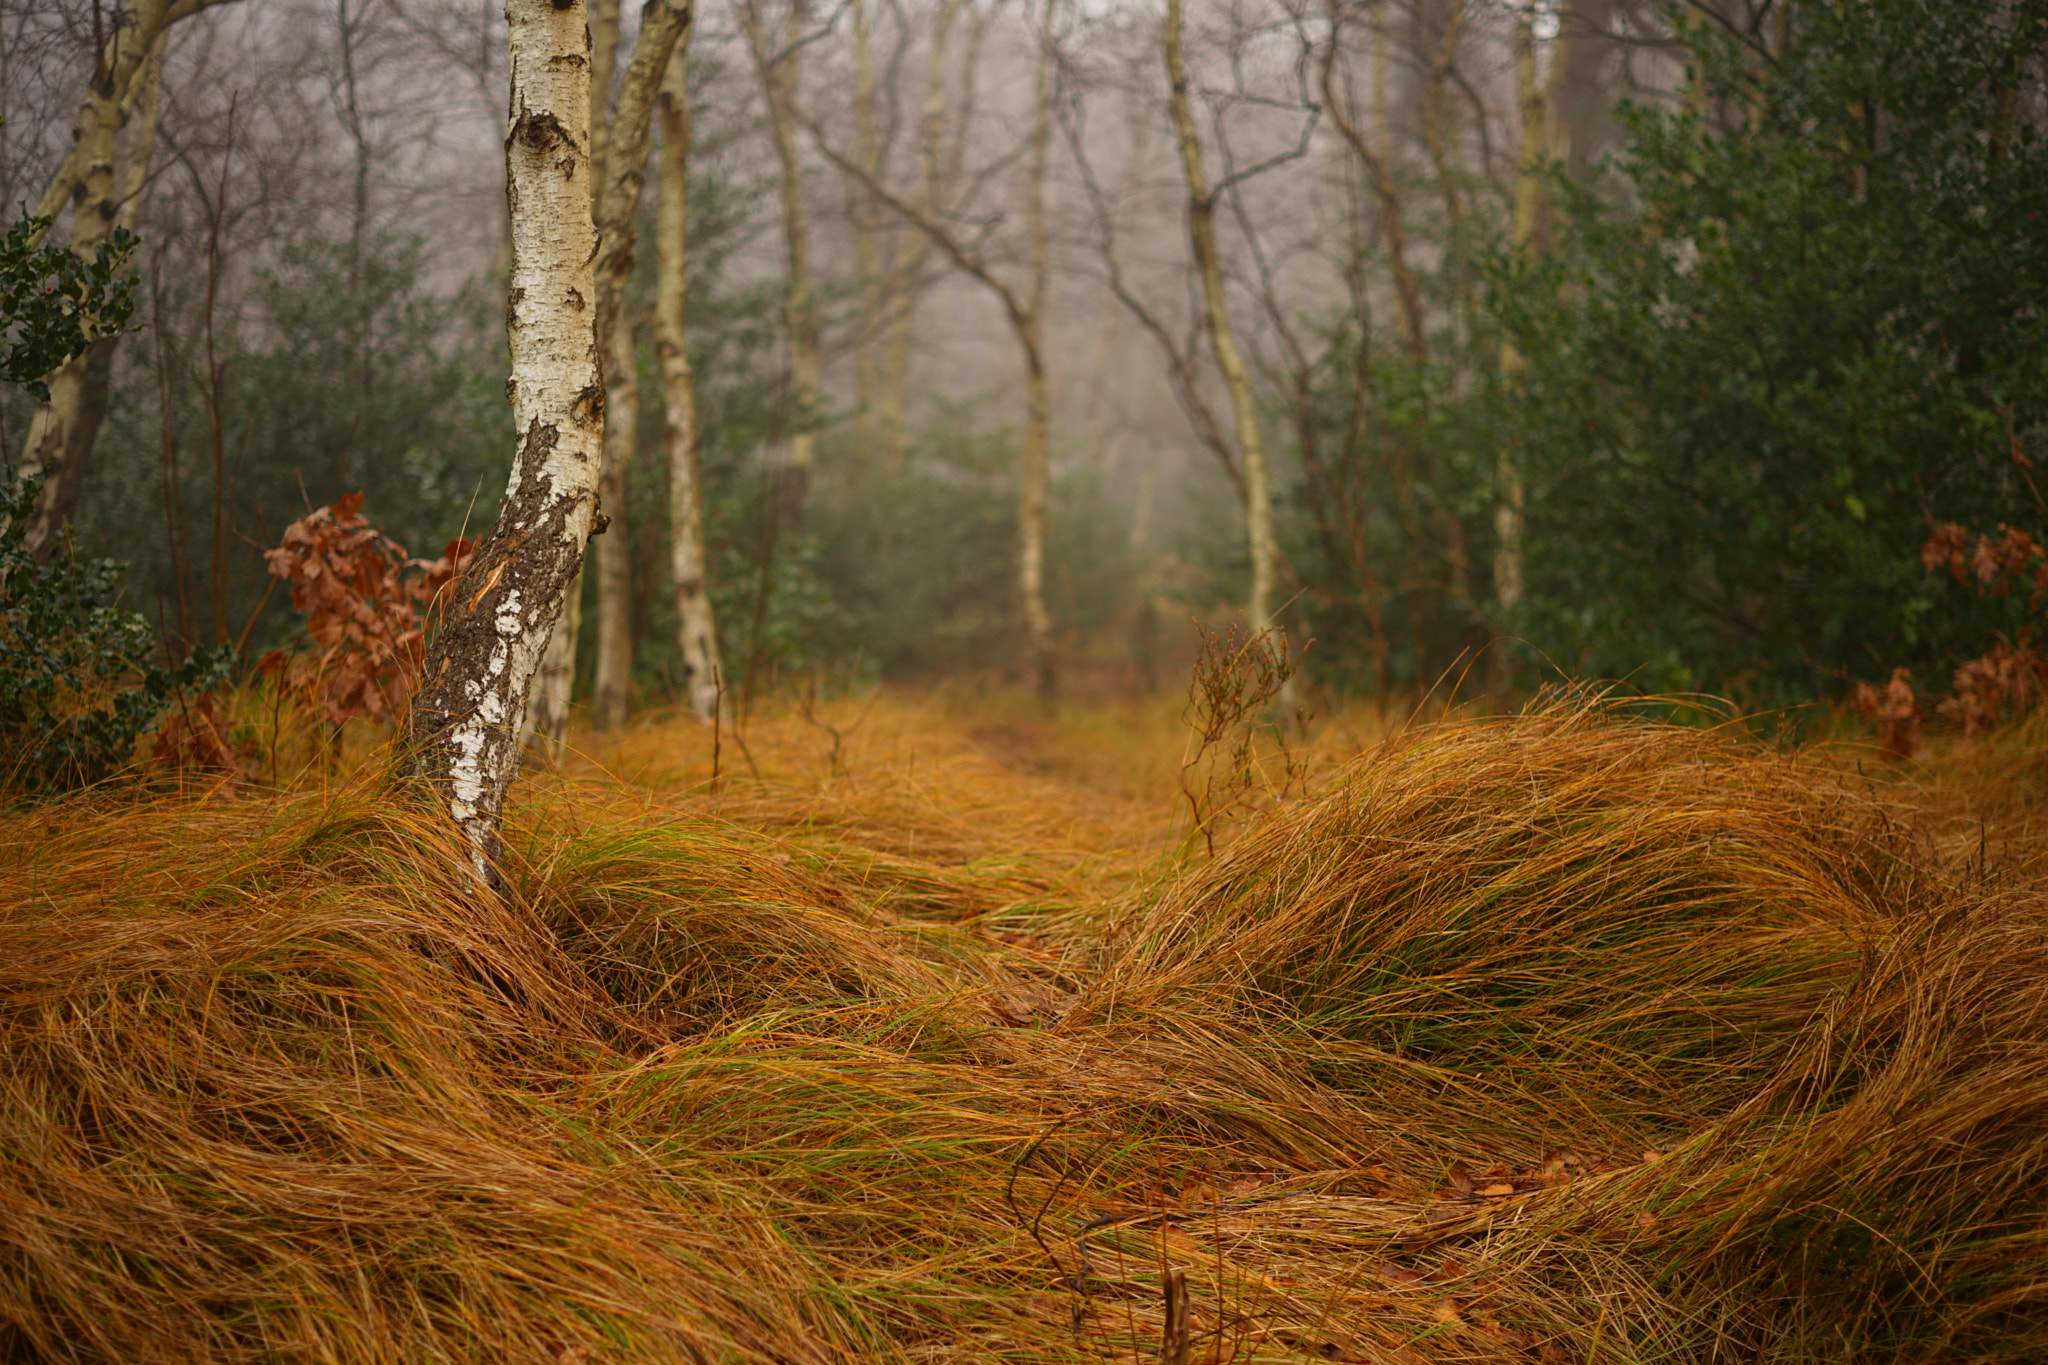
(64, 429)
(466, 715)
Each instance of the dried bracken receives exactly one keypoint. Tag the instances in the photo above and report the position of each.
(367, 607)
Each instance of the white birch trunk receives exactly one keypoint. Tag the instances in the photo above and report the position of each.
(1258, 499)
(696, 634)
(127, 77)
(465, 719)
(662, 25)
(547, 728)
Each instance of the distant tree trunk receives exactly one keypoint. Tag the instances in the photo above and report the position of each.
(1100, 368)
(662, 25)
(1375, 156)
(1582, 93)
(899, 294)
(465, 717)
(867, 275)
(612, 692)
(696, 633)
(1033, 474)
(1258, 499)
(127, 80)
(779, 73)
(1025, 316)
(1533, 146)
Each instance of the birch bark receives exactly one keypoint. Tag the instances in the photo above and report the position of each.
(548, 725)
(1258, 499)
(466, 715)
(126, 80)
(696, 633)
(662, 25)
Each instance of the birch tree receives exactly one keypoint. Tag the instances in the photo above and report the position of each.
(126, 80)
(1201, 218)
(466, 715)
(696, 632)
(618, 171)
(780, 72)
(557, 681)
(1533, 146)
(1024, 309)
(662, 25)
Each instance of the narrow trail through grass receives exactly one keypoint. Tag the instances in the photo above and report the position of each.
(926, 1034)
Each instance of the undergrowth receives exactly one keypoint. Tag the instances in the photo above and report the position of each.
(1564, 1038)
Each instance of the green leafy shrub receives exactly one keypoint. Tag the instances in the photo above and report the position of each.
(78, 685)
(53, 304)
(1807, 333)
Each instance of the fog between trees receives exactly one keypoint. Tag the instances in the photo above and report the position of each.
(1605, 337)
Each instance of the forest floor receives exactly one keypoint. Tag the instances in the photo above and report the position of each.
(927, 1028)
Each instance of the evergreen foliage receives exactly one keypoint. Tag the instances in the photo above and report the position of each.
(79, 682)
(1807, 330)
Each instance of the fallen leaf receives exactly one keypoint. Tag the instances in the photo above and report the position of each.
(1460, 1180)
(1652, 1155)
(1444, 1309)
(1496, 1191)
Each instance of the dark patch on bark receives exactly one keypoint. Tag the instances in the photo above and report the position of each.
(588, 409)
(541, 131)
(526, 553)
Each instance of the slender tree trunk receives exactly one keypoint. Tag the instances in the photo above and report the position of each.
(1438, 142)
(1258, 510)
(899, 301)
(127, 79)
(465, 719)
(780, 74)
(1025, 315)
(867, 274)
(1379, 174)
(556, 685)
(1533, 147)
(612, 690)
(696, 633)
(662, 25)
(1100, 366)
(1034, 475)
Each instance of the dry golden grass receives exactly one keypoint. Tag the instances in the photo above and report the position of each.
(1566, 1038)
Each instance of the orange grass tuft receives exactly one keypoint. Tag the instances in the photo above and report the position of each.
(1564, 1038)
